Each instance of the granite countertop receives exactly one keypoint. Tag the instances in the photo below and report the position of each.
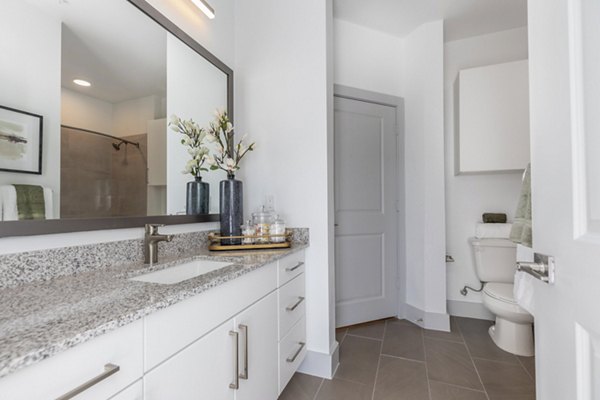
(40, 319)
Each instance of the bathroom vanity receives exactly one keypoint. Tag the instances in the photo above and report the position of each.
(236, 332)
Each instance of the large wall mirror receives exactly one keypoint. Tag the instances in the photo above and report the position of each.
(87, 91)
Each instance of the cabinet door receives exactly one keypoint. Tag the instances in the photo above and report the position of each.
(202, 371)
(257, 326)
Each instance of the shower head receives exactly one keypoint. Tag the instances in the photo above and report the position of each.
(117, 146)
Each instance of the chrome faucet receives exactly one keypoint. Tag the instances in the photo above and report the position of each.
(151, 239)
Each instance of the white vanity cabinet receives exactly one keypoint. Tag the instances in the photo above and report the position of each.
(69, 370)
(237, 360)
(241, 340)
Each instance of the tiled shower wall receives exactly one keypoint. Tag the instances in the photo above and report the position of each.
(99, 181)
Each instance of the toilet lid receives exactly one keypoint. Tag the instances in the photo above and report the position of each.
(500, 291)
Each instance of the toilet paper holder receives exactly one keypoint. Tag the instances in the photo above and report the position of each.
(541, 268)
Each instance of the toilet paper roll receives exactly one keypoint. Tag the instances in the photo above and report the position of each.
(523, 291)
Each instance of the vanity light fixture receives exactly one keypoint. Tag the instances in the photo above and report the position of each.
(205, 7)
(81, 82)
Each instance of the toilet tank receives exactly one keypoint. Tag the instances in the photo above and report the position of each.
(495, 259)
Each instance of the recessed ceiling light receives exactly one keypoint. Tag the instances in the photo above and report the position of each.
(205, 7)
(81, 82)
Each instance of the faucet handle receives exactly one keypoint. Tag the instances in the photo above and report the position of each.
(152, 229)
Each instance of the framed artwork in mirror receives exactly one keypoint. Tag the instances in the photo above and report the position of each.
(20, 141)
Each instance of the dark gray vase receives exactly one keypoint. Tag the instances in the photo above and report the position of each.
(231, 208)
(197, 197)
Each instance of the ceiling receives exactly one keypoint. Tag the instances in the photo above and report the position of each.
(462, 18)
(111, 44)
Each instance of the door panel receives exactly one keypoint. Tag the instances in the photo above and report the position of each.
(261, 322)
(201, 371)
(366, 187)
(565, 96)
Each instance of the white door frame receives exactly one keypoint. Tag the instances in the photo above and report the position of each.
(347, 92)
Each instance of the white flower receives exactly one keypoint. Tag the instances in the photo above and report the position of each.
(219, 147)
(229, 127)
(174, 119)
(209, 159)
(210, 138)
(230, 164)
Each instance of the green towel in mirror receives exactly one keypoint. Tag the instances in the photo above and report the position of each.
(30, 202)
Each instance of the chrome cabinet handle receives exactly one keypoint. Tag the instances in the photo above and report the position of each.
(292, 269)
(244, 374)
(109, 369)
(236, 364)
(292, 308)
(296, 354)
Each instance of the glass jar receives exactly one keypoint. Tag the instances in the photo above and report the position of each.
(278, 228)
(248, 229)
(262, 222)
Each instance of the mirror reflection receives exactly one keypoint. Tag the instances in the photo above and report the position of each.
(89, 136)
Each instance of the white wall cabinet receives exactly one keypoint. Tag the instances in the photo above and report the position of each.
(242, 340)
(493, 118)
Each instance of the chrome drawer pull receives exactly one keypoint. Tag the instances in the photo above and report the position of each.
(292, 308)
(244, 374)
(296, 354)
(292, 269)
(236, 364)
(109, 369)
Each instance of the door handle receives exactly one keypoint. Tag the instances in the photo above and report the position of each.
(109, 369)
(296, 354)
(236, 364)
(292, 269)
(292, 308)
(244, 374)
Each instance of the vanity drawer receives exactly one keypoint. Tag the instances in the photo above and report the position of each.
(292, 307)
(292, 350)
(66, 371)
(290, 267)
(175, 327)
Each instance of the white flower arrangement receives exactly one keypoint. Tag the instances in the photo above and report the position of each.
(194, 138)
(228, 155)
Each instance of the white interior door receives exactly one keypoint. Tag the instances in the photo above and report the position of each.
(366, 181)
(564, 37)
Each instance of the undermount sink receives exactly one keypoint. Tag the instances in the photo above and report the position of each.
(183, 272)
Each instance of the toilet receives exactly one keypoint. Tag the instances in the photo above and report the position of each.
(495, 264)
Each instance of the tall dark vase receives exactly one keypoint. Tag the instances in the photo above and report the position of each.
(197, 197)
(231, 208)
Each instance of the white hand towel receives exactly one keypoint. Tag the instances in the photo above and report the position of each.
(492, 231)
(48, 204)
(9, 203)
(523, 291)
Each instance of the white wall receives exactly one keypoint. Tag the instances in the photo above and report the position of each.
(424, 166)
(283, 102)
(32, 84)
(216, 35)
(195, 89)
(131, 117)
(367, 59)
(86, 112)
(469, 196)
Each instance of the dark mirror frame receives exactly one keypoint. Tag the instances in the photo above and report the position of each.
(25, 228)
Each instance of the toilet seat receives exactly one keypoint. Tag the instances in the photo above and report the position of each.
(500, 291)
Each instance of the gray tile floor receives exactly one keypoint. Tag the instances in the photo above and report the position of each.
(396, 360)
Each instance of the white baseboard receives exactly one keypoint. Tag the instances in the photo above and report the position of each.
(469, 309)
(321, 364)
(425, 319)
